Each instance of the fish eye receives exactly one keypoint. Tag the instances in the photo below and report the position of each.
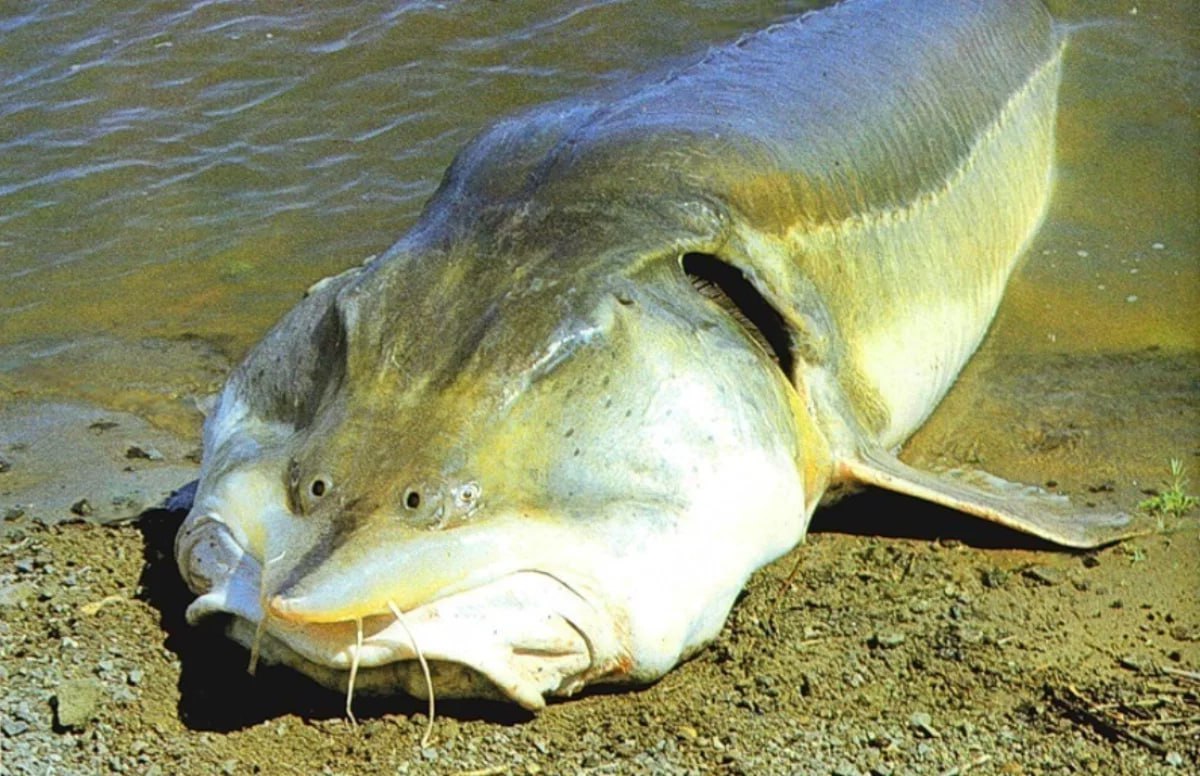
(318, 487)
(412, 499)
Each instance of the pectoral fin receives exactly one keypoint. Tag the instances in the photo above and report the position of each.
(1021, 507)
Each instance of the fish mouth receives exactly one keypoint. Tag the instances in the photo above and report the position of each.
(522, 635)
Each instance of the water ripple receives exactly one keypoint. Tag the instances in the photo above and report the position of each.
(166, 147)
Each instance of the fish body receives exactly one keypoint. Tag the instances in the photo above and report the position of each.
(633, 341)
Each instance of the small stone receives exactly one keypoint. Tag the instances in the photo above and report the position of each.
(13, 513)
(143, 452)
(16, 593)
(970, 635)
(879, 741)
(923, 723)
(23, 712)
(134, 677)
(886, 640)
(687, 732)
(1184, 633)
(75, 702)
(845, 769)
(994, 578)
(14, 727)
(1158, 246)
(1043, 574)
(229, 767)
(82, 507)
(24, 565)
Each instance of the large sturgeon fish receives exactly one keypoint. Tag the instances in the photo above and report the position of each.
(633, 341)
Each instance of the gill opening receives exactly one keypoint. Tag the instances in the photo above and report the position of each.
(730, 289)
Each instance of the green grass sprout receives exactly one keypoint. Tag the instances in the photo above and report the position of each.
(1174, 501)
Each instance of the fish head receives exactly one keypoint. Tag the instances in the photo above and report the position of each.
(540, 479)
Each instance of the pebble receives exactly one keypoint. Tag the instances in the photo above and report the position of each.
(970, 635)
(1043, 574)
(82, 507)
(14, 727)
(1174, 759)
(994, 578)
(144, 452)
(886, 640)
(1185, 633)
(16, 593)
(75, 702)
(923, 723)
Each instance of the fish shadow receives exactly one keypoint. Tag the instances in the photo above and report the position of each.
(884, 514)
(218, 694)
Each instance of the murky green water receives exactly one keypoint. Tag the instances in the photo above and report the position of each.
(175, 168)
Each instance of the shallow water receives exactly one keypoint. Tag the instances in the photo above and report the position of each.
(174, 169)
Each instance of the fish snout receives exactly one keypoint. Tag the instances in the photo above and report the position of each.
(205, 552)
